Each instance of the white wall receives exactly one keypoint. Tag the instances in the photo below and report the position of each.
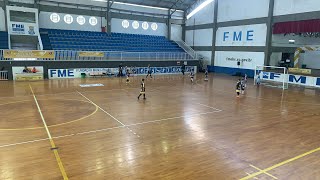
(206, 57)
(45, 22)
(311, 59)
(251, 35)
(189, 37)
(275, 58)
(283, 7)
(205, 16)
(176, 32)
(23, 1)
(283, 41)
(249, 60)
(230, 10)
(2, 20)
(116, 26)
(202, 37)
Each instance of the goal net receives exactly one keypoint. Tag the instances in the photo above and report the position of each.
(271, 76)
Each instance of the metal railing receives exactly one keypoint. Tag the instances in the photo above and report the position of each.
(4, 75)
(68, 55)
(187, 48)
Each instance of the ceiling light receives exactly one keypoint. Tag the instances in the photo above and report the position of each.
(137, 5)
(204, 4)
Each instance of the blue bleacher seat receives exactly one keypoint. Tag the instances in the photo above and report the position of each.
(99, 41)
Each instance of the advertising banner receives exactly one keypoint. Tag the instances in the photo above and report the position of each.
(91, 72)
(21, 73)
(20, 28)
(248, 60)
(47, 54)
(91, 54)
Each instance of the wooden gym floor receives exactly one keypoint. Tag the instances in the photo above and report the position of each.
(54, 129)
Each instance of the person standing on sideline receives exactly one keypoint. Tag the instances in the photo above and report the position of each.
(143, 90)
(149, 72)
(183, 68)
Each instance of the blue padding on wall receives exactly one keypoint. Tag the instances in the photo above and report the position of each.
(231, 71)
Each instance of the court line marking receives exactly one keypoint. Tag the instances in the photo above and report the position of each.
(166, 119)
(105, 129)
(219, 110)
(249, 175)
(109, 115)
(55, 125)
(53, 146)
(281, 164)
(264, 173)
(25, 142)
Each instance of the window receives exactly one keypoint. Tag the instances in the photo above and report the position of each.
(81, 20)
(154, 26)
(68, 19)
(125, 24)
(93, 21)
(135, 24)
(145, 25)
(54, 17)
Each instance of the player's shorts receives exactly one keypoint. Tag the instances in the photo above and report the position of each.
(238, 90)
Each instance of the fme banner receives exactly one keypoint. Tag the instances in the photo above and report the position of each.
(76, 73)
(247, 35)
(291, 79)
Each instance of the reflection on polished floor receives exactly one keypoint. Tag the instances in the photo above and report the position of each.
(55, 129)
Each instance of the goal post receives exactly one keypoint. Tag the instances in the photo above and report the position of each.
(271, 76)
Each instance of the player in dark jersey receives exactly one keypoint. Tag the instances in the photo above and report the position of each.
(143, 90)
(149, 71)
(238, 88)
(191, 76)
(206, 75)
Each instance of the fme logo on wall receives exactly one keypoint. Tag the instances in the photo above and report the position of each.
(18, 28)
(238, 35)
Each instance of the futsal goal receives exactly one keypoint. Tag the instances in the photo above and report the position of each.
(271, 76)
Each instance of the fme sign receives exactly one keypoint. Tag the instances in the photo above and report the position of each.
(61, 73)
(239, 36)
(248, 35)
(18, 28)
(292, 79)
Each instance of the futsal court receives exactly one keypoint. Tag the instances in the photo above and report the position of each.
(55, 129)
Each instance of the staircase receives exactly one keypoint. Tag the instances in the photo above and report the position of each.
(187, 49)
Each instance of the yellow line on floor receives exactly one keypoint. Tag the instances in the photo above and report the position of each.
(264, 173)
(281, 164)
(53, 146)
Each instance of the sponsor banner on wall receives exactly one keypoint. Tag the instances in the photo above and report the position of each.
(90, 72)
(91, 54)
(20, 28)
(29, 54)
(248, 60)
(246, 35)
(291, 79)
(21, 73)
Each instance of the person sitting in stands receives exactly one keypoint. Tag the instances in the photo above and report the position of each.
(34, 70)
(25, 70)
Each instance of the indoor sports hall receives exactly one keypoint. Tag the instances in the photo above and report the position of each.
(162, 89)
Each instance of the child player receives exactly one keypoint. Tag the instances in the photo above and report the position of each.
(128, 75)
(191, 76)
(206, 75)
(149, 72)
(143, 90)
(238, 88)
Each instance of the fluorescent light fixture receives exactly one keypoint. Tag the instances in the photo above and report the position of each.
(292, 41)
(204, 4)
(136, 5)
